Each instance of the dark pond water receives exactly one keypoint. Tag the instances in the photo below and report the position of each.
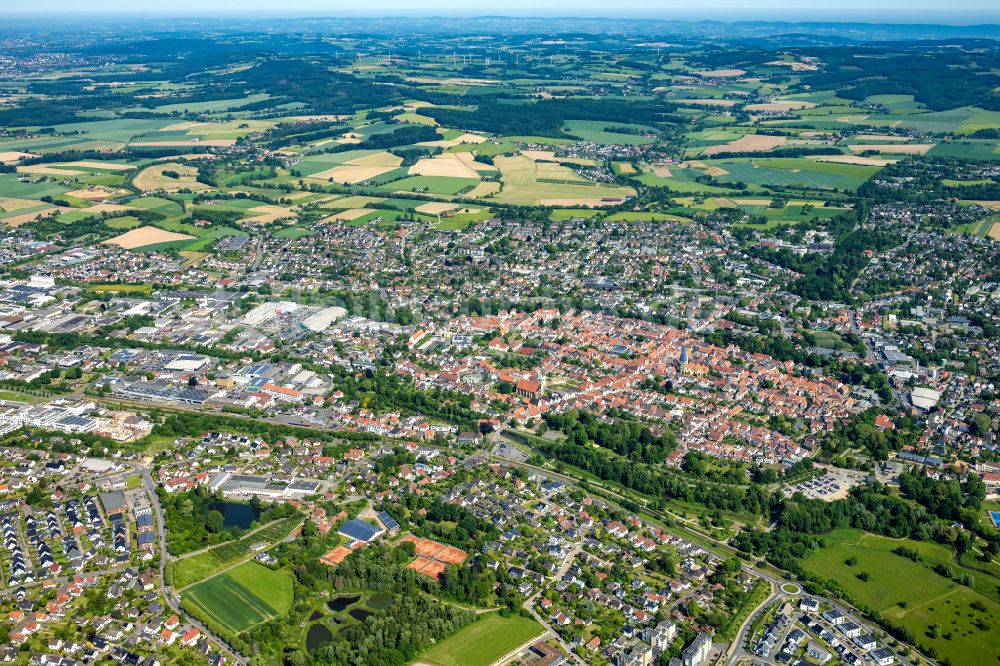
(237, 514)
(315, 616)
(338, 604)
(360, 614)
(318, 635)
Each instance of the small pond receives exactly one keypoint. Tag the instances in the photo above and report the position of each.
(319, 634)
(338, 604)
(315, 616)
(360, 614)
(237, 514)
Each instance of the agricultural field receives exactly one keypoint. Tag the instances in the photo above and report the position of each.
(605, 132)
(146, 236)
(754, 189)
(241, 597)
(186, 571)
(526, 181)
(795, 172)
(168, 177)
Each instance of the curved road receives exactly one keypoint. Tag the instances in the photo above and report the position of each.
(161, 537)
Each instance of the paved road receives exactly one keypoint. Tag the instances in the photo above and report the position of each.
(529, 604)
(161, 537)
(722, 550)
(735, 652)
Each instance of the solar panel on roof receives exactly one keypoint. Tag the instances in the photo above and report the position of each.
(360, 530)
(387, 520)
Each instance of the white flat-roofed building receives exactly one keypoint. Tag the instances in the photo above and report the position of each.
(321, 320)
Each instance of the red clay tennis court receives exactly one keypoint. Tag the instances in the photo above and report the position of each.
(433, 557)
(430, 568)
(336, 556)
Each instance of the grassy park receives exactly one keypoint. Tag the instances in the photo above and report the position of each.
(483, 642)
(955, 619)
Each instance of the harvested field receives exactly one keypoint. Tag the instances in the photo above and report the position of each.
(992, 205)
(436, 208)
(107, 208)
(483, 190)
(894, 148)
(143, 236)
(590, 203)
(12, 156)
(625, 168)
(850, 159)
(550, 156)
(181, 127)
(97, 192)
(751, 202)
(721, 73)
(18, 220)
(452, 81)
(445, 165)
(662, 172)
(348, 215)
(708, 102)
(351, 174)
(794, 65)
(376, 159)
(321, 118)
(457, 141)
(107, 166)
(267, 214)
(8, 204)
(218, 143)
(751, 143)
(152, 178)
(884, 138)
(702, 166)
(190, 156)
(469, 160)
(995, 231)
(358, 201)
(48, 170)
(780, 106)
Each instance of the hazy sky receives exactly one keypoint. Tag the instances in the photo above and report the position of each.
(904, 11)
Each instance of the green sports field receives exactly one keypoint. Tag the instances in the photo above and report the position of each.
(241, 597)
(912, 594)
(482, 642)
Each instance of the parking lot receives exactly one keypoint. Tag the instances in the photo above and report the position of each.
(832, 485)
